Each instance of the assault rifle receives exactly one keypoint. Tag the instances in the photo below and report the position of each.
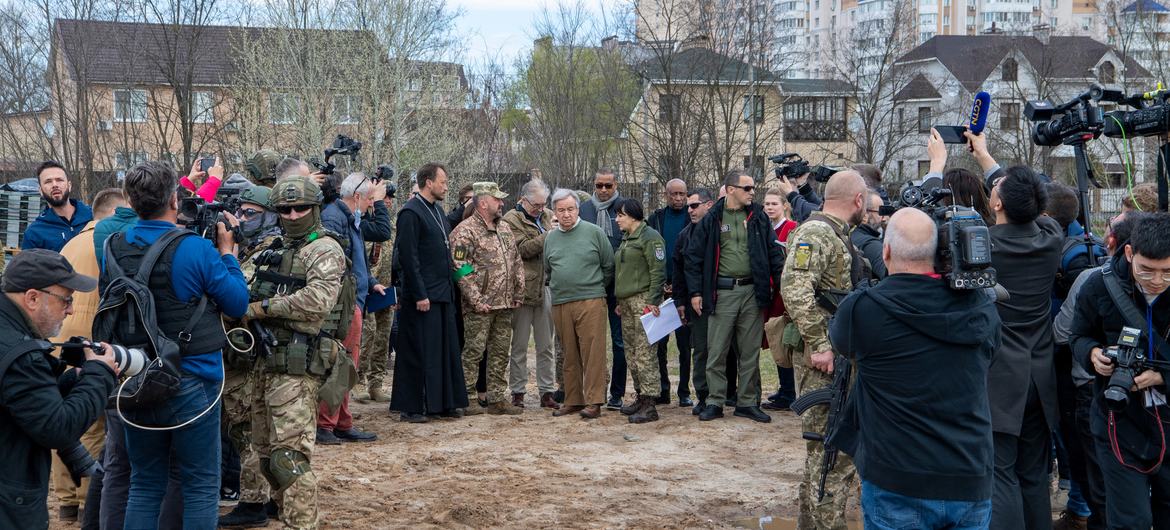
(833, 396)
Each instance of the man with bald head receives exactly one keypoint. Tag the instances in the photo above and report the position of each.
(922, 387)
(822, 263)
(670, 221)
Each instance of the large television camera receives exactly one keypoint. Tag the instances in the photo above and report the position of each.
(792, 165)
(344, 146)
(1073, 122)
(1150, 117)
(963, 258)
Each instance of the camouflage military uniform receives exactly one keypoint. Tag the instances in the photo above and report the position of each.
(638, 281)
(818, 259)
(284, 408)
(376, 328)
(497, 281)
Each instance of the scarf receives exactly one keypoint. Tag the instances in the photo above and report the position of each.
(603, 218)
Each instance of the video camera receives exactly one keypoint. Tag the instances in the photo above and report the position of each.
(1072, 122)
(201, 216)
(964, 243)
(792, 165)
(342, 145)
(1150, 117)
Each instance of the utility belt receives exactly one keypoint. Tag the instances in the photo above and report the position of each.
(298, 353)
(724, 282)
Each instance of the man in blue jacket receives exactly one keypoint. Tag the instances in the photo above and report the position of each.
(918, 419)
(62, 217)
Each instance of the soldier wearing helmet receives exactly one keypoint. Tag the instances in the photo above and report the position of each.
(302, 295)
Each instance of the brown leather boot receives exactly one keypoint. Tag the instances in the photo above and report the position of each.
(568, 409)
(646, 413)
(518, 399)
(547, 401)
(591, 412)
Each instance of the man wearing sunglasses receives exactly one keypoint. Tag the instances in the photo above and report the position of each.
(598, 210)
(733, 267)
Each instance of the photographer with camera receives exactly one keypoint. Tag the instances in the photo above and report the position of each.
(38, 290)
(924, 386)
(1129, 403)
(191, 283)
(800, 195)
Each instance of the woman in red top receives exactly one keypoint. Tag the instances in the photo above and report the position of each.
(779, 214)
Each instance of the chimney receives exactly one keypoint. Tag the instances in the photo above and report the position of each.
(1043, 33)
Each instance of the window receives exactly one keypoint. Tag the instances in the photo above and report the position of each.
(127, 160)
(1107, 73)
(923, 167)
(130, 106)
(282, 109)
(753, 109)
(668, 107)
(814, 119)
(1009, 116)
(202, 107)
(1010, 70)
(756, 169)
(924, 119)
(346, 109)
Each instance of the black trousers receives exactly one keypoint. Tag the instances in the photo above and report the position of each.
(1127, 490)
(617, 373)
(1093, 488)
(682, 339)
(1019, 499)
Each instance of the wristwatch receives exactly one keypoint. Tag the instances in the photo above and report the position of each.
(264, 305)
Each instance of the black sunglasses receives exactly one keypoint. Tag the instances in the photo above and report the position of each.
(749, 188)
(694, 205)
(299, 208)
(603, 186)
(249, 212)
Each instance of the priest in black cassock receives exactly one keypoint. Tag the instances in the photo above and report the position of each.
(428, 366)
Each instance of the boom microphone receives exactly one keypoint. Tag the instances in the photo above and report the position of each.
(979, 110)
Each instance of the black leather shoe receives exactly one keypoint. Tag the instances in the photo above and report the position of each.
(614, 403)
(684, 402)
(559, 396)
(413, 418)
(355, 435)
(711, 412)
(753, 413)
(698, 408)
(326, 437)
(772, 405)
(774, 397)
(663, 399)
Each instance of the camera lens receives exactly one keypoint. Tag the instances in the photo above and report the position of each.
(130, 360)
(78, 462)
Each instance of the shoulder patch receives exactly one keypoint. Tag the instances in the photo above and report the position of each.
(802, 256)
(460, 253)
(659, 252)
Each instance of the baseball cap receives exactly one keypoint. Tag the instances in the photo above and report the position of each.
(39, 268)
(488, 188)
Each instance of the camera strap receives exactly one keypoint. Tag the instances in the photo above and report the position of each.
(1129, 310)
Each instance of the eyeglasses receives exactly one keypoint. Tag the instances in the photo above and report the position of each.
(249, 212)
(749, 188)
(874, 211)
(299, 208)
(694, 205)
(1150, 275)
(67, 299)
(603, 186)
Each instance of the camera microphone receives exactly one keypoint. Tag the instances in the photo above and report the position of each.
(979, 109)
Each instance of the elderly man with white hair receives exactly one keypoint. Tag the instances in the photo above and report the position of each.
(347, 216)
(531, 221)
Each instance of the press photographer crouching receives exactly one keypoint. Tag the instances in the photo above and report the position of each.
(918, 420)
(1118, 333)
(38, 290)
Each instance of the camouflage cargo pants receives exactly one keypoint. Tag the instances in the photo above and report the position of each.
(640, 357)
(237, 419)
(284, 429)
(375, 348)
(828, 514)
(491, 331)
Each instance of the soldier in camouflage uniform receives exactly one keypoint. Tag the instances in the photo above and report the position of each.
(376, 328)
(821, 257)
(638, 281)
(303, 318)
(261, 227)
(261, 167)
(491, 280)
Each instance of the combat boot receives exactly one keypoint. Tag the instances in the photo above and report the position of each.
(379, 395)
(474, 409)
(633, 407)
(245, 515)
(501, 407)
(360, 394)
(646, 413)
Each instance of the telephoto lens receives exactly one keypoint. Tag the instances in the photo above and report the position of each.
(78, 462)
(130, 360)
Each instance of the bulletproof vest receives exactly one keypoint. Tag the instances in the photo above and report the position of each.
(859, 271)
(299, 349)
(173, 314)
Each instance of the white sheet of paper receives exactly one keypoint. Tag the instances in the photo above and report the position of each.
(660, 326)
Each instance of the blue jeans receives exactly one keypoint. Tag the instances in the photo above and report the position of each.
(886, 510)
(195, 450)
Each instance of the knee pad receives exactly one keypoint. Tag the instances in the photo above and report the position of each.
(285, 466)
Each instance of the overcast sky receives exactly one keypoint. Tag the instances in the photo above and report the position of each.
(502, 27)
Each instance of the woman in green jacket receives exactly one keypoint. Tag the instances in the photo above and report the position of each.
(638, 281)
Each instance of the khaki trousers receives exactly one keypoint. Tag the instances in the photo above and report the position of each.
(581, 326)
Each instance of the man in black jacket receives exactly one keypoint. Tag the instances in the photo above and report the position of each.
(918, 420)
(669, 221)
(1025, 251)
(867, 236)
(38, 290)
(733, 267)
(1130, 441)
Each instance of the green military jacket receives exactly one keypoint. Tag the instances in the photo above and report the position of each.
(817, 260)
(497, 277)
(638, 264)
(530, 243)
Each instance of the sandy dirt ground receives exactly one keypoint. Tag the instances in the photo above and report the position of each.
(536, 471)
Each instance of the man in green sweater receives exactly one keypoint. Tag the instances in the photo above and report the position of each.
(578, 262)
